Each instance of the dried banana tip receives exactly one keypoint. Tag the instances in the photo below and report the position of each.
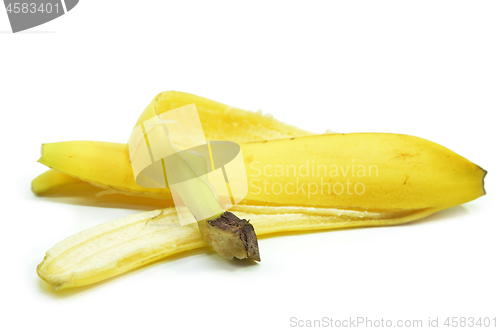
(232, 237)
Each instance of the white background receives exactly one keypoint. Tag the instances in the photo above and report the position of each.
(427, 68)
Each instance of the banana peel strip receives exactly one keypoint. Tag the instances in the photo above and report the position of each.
(127, 243)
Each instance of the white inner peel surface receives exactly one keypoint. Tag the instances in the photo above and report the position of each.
(123, 244)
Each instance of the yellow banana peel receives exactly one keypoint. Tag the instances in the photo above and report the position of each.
(358, 171)
(296, 183)
(124, 244)
(220, 122)
(223, 122)
(51, 180)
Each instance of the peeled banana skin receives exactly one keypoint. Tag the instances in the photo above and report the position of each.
(124, 244)
(220, 122)
(297, 182)
(414, 178)
(359, 171)
(223, 122)
(51, 180)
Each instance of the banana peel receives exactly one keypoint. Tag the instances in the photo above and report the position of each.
(416, 178)
(288, 172)
(223, 122)
(50, 181)
(220, 122)
(117, 246)
(358, 171)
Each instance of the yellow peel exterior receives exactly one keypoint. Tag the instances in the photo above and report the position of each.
(107, 162)
(393, 172)
(124, 244)
(51, 180)
(414, 178)
(220, 122)
(408, 173)
(223, 122)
